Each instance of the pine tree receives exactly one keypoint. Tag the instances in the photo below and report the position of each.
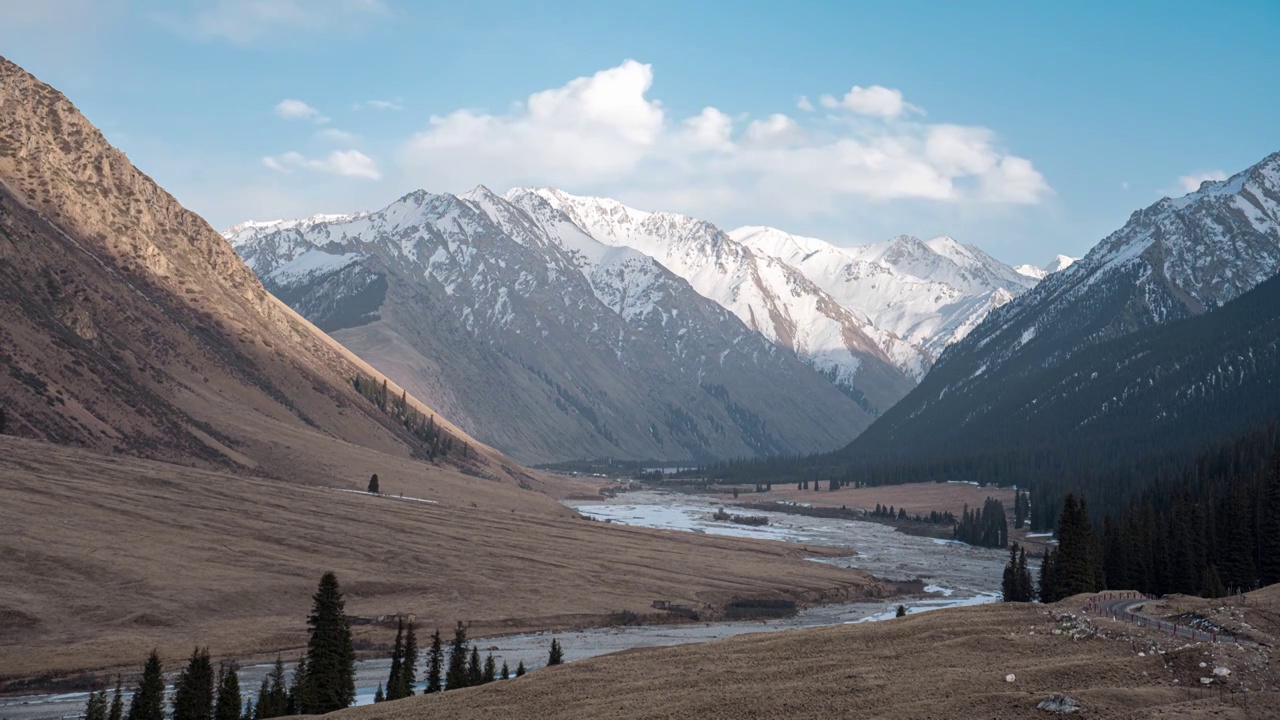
(397, 662)
(96, 709)
(1049, 577)
(193, 693)
(273, 696)
(506, 671)
(435, 663)
(229, 703)
(475, 671)
(117, 702)
(490, 668)
(264, 691)
(329, 684)
(520, 668)
(1026, 589)
(298, 690)
(1078, 563)
(250, 711)
(409, 663)
(902, 611)
(148, 699)
(1269, 530)
(556, 656)
(456, 677)
(373, 483)
(1008, 589)
(379, 696)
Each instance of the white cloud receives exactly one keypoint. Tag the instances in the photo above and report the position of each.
(804, 104)
(290, 109)
(1191, 183)
(345, 163)
(709, 130)
(335, 135)
(593, 128)
(875, 100)
(604, 134)
(244, 21)
(391, 105)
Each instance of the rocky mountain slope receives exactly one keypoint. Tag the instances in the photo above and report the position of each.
(1175, 260)
(128, 325)
(768, 295)
(930, 294)
(550, 345)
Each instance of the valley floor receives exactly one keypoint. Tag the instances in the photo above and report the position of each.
(106, 557)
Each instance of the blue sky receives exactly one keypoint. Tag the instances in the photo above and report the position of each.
(1026, 128)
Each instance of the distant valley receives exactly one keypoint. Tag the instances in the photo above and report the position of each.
(579, 327)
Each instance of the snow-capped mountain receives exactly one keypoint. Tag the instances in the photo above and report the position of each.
(766, 293)
(1040, 272)
(1177, 259)
(930, 294)
(537, 338)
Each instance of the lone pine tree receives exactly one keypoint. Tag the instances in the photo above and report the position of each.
(373, 483)
(556, 656)
(329, 683)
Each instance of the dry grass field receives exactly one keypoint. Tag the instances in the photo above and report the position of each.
(114, 555)
(943, 664)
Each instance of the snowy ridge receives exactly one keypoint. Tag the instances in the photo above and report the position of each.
(768, 295)
(930, 294)
(1040, 272)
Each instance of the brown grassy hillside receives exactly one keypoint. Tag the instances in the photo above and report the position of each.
(942, 664)
(127, 324)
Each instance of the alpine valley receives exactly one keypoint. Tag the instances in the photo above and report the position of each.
(581, 327)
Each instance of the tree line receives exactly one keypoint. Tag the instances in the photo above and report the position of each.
(437, 441)
(1215, 533)
(986, 526)
(322, 682)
